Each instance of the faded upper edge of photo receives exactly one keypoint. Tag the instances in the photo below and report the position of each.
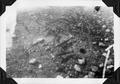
(61, 42)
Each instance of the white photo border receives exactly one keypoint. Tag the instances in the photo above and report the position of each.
(10, 16)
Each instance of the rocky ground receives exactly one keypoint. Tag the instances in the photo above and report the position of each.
(67, 42)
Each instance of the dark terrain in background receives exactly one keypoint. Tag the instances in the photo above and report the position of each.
(61, 41)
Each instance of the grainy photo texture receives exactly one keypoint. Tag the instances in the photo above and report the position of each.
(62, 42)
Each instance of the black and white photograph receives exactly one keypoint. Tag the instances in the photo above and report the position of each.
(62, 42)
(59, 41)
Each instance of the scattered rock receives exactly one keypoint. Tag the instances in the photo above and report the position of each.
(67, 77)
(110, 66)
(59, 76)
(52, 55)
(104, 54)
(97, 8)
(91, 74)
(94, 42)
(79, 24)
(101, 44)
(109, 61)
(39, 66)
(81, 61)
(106, 39)
(94, 68)
(77, 68)
(107, 30)
(33, 60)
(101, 65)
(47, 48)
(104, 26)
(99, 21)
(86, 76)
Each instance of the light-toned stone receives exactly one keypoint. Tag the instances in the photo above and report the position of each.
(94, 42)
(109, 61)
(91, 74)
(81, 61)
(101, 65)
(110, 66)
(67, 77)
(86, 76)
(79, 24)
(101, 44)
(33, 60)
(52, 55)
(94, 68)
(106, 39)
(59, 76)
(104, 54)
(107, 30)
(77, 68)
(40, 66)
(104, 26)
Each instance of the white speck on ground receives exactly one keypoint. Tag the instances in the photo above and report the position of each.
(77, 68)
(91, 74)
(106, 39)
(52, 55)
(110, 66)
(86, 76)
(67, 77)
(40, 66)
(81, 61)
(94, 42)
(104, 54)
(101, 44)
(33, 60)
(101, 65)
(107, 30)
(59, 76)
(104, 26)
